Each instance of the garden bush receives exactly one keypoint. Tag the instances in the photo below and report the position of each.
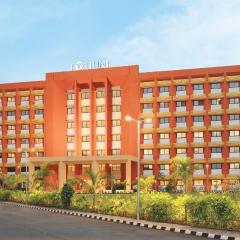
(5, 195)
(66, 195)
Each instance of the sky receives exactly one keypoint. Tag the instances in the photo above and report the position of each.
(39, 36)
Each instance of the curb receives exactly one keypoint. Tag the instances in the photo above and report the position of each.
(133, 222)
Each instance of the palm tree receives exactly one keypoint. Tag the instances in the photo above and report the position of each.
(94, 183)
(40, 175)
(182, 168)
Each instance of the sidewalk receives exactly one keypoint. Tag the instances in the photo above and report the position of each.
(184, 229)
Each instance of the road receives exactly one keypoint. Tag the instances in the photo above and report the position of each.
(23, 224)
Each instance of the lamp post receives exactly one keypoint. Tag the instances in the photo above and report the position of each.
(129, 118)
(26, 170)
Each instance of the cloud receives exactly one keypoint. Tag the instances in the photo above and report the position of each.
(186, 34)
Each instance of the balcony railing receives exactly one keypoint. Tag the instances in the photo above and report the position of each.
(11, 132)
(181, 109)
(148, 157)
(234, 122)
(180, 93)
(217, 90)
(216, 107)
(181, 140)
(164, 140)
(198, 188)
(216, 155)
(199, 172)
(216, 188)
(198, 92)
(216, 139)
(197, 140)
(147, 95)
(24, 117)
(216, 171)
(25, 103)
(11, 104)
(10, 160)
(147, 141)
(147, 110)
(147, 172)
(198, 155)
(164, 156)
(216, 123)
(163, 109)
(234, 155)
(11, 118)
(198, 108)
(234, 171)
(164, 172)
(235, 89)
(198, 124)
(233, 106)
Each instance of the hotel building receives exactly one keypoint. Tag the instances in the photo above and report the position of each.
(75, 121)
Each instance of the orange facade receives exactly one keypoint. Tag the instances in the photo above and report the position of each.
(80, 114)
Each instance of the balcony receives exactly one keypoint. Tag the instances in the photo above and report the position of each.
(216, 123)
(198, 188)
(38, 145)
(70, 146)
(147, 110)
(181, 109)
(181, 124)
(216, 107)
(147, 95)
(180, 93)
(11, 104)
(116, 130)
(181, 155)
(100, 116)
(216, 155)
(164, 156)
(164, 172)
(234, 154)
(38, 131)
(216, 90)
(10, 118)
(116, 100)
(100, 101)
(70, 131)
(38, 102)
(147, 141)
(11, 160)
(24, 131)
(198, 108)
(24, 145)
(234, 171)
(164, 94)
(234, 122)
(100, 145)
(86, 131)
(164, 125)
(181, 140)
(70, 102)
(11, 132)
(234, 139)
(24, 117)
(147, 172)
(24, 160)
(198, 92)
(100, 130)
(216, 188)
(198, 155)
(147, 125)
(198, 140)
(38, 116)
(162, 110)
(116, 144)
(11, 146)
(164, 140)
(199, 172)
(234, 89)
(84, 116)
(86, 145)
(24, 103)
(71, 117)
(116, 115)
(216, 171)
(85, 102)
(198, 124)
(148, 157)
(216, 139)
(234, 106)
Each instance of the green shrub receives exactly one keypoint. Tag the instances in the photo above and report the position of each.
(66, 195)
(5, 195)
(48, 199)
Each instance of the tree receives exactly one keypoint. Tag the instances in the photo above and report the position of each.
(40, 175)
(66, 195)
(182, 168)
(94, 183)
(146, 183)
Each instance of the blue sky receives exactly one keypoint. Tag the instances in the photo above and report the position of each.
(39, 36)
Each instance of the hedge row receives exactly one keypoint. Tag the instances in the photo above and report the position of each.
(208, 210)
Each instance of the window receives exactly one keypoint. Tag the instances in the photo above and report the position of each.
(24, 127)
(215, 85)
(164, 151)
(234, 85)
(164, 105)
(198, 134)
(116, 123)
(164, 89)
(216, 118)
(85, 124)
(70, 153)
(181, 88)
(70, 95)
(24, 98)
(85, 94)
(198, 166)
(85, 109)
(11, 155)
(70, 125)
(216, 149)
(25, 141)
(198, 86)
(234, 165)
(216, 182)
(11, 127)
(86, 138)
(116, 137)
(198, 182)
(70, 111)
(116, 93)
(100, 94)
(147, 136)
(39, 112)
(198, 150)
(164, 120)
(100, 123)
(100, 152)
(234, 101)
(100, 109)
(164, 135)
(235, 149)
(215, 101)
(180, 119)
(70, 139)
(147, 167)
(181, 103)
(198, 103)
(116, 167)
(216, 166)
(11, 113)
(25, 112)
(147, 90)
(38, 140)
(147, 151)
(234, 133)
(116, 152)
(147, 106)
(11, 141)
(116, 108)
(11, 99)
(181, 150)
(216, 133)
(85, 152)
(234, 117)
(38, 98)
(164, 166)
(198, 118)
(181, 135)
(100, 138)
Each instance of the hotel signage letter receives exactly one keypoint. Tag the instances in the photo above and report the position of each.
(79, 65)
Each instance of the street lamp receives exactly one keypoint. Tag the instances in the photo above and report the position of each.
(129, 118)
(26, 169)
